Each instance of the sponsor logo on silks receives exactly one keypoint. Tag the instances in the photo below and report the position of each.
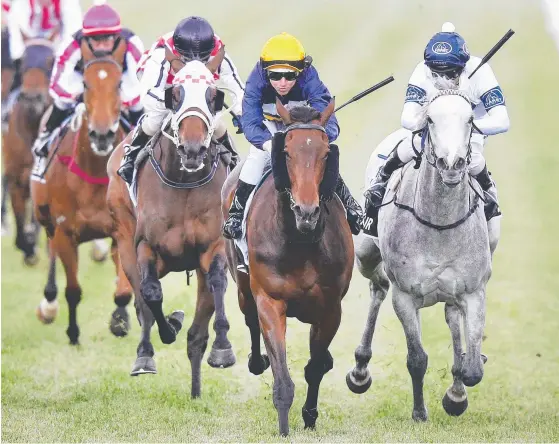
(465, 49)
(492, 98)
(442, 48)
(415, 94)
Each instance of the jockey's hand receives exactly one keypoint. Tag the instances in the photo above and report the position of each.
(267, 146)
(237, 124)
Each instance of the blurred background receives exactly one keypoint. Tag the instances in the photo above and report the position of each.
(52, 392)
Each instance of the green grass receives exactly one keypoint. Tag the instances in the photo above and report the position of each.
(53, 392)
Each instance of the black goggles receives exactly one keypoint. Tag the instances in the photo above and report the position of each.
(288, 75)
(449, 73)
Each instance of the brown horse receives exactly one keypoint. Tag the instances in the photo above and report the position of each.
(300, 255)
(176, 225)
(71, 203)
(33, 100)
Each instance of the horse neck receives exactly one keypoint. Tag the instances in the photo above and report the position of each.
(438, 203)
(88, 161)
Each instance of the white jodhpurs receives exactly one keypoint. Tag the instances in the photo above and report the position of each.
(254, 165)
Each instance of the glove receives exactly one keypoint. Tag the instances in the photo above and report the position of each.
(237, 124)
(267, 146)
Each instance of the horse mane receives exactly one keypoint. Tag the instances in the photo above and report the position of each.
(303, 114)
(422, 115)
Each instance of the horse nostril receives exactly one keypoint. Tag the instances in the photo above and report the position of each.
(315, 212)
(441, 164)
(459, 164)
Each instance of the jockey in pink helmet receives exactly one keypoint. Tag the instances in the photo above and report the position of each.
(102, 32)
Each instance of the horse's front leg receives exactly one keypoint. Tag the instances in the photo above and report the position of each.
(272, 317)
(473, 307)
(48, 308)
(25, 243)
(120, 324)
(222, 354)
(4, 213)
(151, 292)
(408, 313)
(321, 361)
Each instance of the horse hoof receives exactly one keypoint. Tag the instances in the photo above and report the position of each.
(144, 365)
(46, 311)
(419, 415)
(99, 251)
(358, 386)
(174, 321)
(119, 325)
(31, 260)
(221, 358)
(309, 416)
(257, 367)
(454, 408)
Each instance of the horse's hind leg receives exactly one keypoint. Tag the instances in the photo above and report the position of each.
(321, 361)
(473, 306)
(18, 199)
(455, 400)
(67, 250)
(272, 316)
(151, 292)
(408, 313)
(221, 355)
(359, 378)
(120, 324)
(48, 308)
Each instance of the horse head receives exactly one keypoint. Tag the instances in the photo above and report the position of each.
(102, 78)
(196, 105)
(309, 169)
(36, 67)
(449, 118)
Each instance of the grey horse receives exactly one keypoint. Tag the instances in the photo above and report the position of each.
(435, 246)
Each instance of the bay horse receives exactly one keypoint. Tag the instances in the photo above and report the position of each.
(23, 127)
(434, 245)
(70, 203)
(300, 253)
(176, 225)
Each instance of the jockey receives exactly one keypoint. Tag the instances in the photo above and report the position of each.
(192, 39)
(285, 72)
(447, 65)
(102, 32)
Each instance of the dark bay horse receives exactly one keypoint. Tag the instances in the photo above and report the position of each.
(33, 100)
(300, 255)
(71, 204)
(176, 225)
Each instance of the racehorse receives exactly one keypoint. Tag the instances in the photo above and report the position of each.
(70, 203)
(435, 246)
(33, 100)
(300, 254)
(176, 225)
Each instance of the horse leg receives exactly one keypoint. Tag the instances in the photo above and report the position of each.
(17, 197)
(359, 378)
(198, 332)
(272, 316)
(408, 313)
(120, 324)
(455, 400)
(67, 250)
(5, 224)
(321, 361)
(150, 290)
(473, 306)
(221, 355)
(48, 308)
(257, 362)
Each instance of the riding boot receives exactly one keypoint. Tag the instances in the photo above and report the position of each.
(353, 209)
(57, 116)
(232, 229)
(126, 171)
(491, 206)
(226, 142)
(375, 194)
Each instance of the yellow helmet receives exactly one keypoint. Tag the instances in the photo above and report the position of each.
(283, 51)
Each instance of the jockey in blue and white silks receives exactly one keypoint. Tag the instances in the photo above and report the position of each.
(447, 65)
(284, 72)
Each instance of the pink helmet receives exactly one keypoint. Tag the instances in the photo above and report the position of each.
(101, 19)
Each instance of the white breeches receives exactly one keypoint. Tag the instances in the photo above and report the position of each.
(254, 165)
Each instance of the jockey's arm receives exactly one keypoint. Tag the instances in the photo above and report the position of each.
(19, 14)
(412, 116)
(152, 90)
(491, 96)
(68, 56)
(497, 121)
(229, 78)
(319, 98)
(71, 17)
(130, 83)
(252, 118)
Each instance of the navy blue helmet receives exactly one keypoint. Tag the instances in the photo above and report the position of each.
(194, 39)
(446, 52)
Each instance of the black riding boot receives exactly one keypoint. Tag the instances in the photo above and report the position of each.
(353, 209)
(375, 194)
(126, 171)
(224, 140)
(232, 229)
(57, 116)
(491, 207)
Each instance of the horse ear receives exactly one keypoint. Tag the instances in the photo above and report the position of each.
(282, 111)
(327, 113)
(214, 64)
